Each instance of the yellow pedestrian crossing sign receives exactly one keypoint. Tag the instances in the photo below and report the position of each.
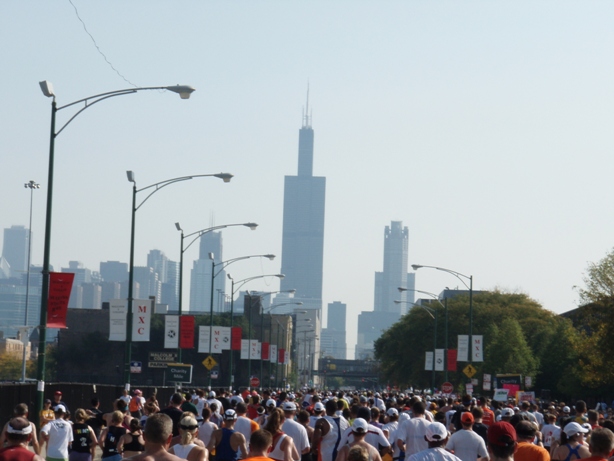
(209, 362)
(469, 371)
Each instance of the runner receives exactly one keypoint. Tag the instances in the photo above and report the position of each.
(283, 448)
(84, 438)
(436, 436)
(359, 429)
(158, 434)
(19, 434)
(465, 443)
(58, 435)
(327, 434)
(226, 441)
(132, 442)
(186, 448)
(109, 437)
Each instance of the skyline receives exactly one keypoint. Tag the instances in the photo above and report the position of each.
(483, 127)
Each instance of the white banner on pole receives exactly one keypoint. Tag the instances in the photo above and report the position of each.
(273, 353)
(439, 361)
(117, 319)
(204, 338)
(286, 356)
(477, 348)
(245, 349)
(428, 363)
(171, 331)
(221, 339)
(254, 349)
(463, 348)
(141, 319)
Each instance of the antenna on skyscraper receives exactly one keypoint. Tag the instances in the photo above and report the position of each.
(306, 116)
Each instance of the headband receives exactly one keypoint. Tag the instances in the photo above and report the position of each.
(25, 431)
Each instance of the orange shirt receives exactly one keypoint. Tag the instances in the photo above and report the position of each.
(489, 416)
(527, 451)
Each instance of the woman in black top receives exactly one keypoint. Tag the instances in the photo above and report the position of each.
(84, 439)
(109, 437)
(132, 443)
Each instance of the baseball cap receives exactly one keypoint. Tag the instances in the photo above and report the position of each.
(467, 417)
(436, 432)
(59, 409)
(319, 406)
(289, 406)
(572, 429)
(271, 403)
(58, 393)
(507, 413)
(212, 394)
(403, 417)
(138, 392)
(392, 412)
(47, 401)
(230, 414)
(261, 410)
(363, 399)
(360, 426)
(566, 409)
(501, 434)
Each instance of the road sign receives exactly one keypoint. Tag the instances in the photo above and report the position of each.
(168, 357)
(135, 367)
(254, 382)
(469, 371)
(209, 362)
(447, 388)
(178, 373)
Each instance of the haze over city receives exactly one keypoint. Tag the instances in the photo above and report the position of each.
(483, 127)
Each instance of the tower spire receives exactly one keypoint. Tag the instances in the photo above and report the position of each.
(306, 116)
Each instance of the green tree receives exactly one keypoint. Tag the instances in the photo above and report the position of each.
(599, 280)
(507, 350)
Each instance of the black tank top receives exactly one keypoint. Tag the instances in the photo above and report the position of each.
(82, 436)
(134, 445)
(110, 442)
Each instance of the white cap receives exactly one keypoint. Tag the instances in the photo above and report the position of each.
(212, 394)
(403, 417)
(271, 403)
(319, 406)
(392, 412)
(566, 409)
(572, 429)
(360, 426)
(436, 432)
(59, 409)
(289, 406)
(507, 413)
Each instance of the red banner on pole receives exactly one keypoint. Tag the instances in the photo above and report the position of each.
(235, 338)
(60, 284)
(265, 351)
(281, 356)
(186, 332)
(452, 359)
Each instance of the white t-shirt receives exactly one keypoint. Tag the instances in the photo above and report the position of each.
(467, 445)
(412, 432)
(298, 434)
(551, 432)
(205, 430)
(374, 437)
(60, 435)
(433, 454)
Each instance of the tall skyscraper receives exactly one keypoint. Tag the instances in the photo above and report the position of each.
(303, 225)
(385, 311)
(333, 336)
(114, 271)
(15, 249)
(200, 282)
(168, 276)
(395, 274)
(82, 275)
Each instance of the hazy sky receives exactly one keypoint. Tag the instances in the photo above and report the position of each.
(486, 127)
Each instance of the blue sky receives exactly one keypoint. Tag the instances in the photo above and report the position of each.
(484, 126)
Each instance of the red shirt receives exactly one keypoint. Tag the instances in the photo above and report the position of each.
(16, 453)
(489, 416)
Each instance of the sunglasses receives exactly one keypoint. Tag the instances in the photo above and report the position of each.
(188, 428)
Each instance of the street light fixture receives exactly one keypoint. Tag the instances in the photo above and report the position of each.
(225, 177)
(183, 249)
(462, 278)
(26, 331)
(47, 88)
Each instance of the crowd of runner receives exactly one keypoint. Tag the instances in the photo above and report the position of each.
(310, 426)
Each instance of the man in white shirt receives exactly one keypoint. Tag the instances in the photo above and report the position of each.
(411, 433)
(375, 436)
(212, 399)
(378, 402)
(294, 430)
(466, 444)
(58, 434)
(436, 436)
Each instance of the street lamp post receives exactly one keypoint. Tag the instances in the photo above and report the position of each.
(275, 306)
(226, 177)
(240, 283)
(47, 88)
(459, 276)
(183, 249)
(26, 331)
(225, 264)
(445, 309)
(433, 313)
